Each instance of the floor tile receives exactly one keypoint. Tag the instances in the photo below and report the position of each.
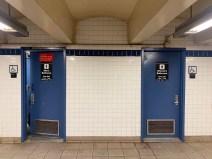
(126, 157)
(145, 152)
(148, 157)
(83, 157)
(115, 152)
(160, 152)
(114, 145)
(69, 152)
(127, 145)
(86, 145)
(142, 145)
(100, 145)
(155, 145)
(85, 152)
(130, 152)
(99, 157)
(112, 157)
(100, 152)
(72, 146)
(68, 157)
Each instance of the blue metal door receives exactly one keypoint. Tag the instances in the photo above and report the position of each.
(162, 93)
(47, 110)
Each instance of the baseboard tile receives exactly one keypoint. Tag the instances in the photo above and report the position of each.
(102, 139)
(198, 138)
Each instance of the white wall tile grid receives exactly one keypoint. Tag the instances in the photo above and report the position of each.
(10, 97)
(36, 35)
(101, 30)
(103, 96)
(198, 102)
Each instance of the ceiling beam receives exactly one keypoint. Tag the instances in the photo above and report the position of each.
(59, 23)
(160, 14)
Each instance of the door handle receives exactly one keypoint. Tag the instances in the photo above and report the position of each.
(32, 98)
(176, 102)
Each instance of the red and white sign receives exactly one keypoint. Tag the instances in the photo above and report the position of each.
(46, 57)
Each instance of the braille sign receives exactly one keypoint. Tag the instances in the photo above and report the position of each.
(13, 70)
(162, 71)
(46, 71)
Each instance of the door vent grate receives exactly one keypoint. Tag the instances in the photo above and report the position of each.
(47, 127)
(160, 127)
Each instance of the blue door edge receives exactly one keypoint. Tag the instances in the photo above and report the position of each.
(23, 90)
(182, 95)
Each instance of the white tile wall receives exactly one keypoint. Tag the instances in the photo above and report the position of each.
(103, 96)
(36, 35)
(198, 102)
(101, 30)
(10, 97)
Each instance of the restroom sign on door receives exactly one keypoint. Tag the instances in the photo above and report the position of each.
(162, 73)
(46, 71)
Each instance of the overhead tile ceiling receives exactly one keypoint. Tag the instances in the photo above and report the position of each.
(144, 17)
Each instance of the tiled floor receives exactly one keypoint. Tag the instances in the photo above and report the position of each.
(106, 151)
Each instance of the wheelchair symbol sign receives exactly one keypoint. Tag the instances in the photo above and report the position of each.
(192, 69)
(13, 68)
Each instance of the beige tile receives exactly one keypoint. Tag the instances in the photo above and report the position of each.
(86, 145)
(82, 157)
(69, 152)
(30, 146)
(145, 152)
(114, 145)
(130, 152)
(68, 157)
(39, 152)
(132, 157)
(72, 146)
(52, 157)
(98, 157)
(160, 152)
(37, 157)
(100, 152)
(116, 157)
(142, 145)
(115, 152)
(59, 146)
(155, 145)
(148, 157)
(85, 152)
(100, 145)
(54, 154)
(163, 157)
(127, 145)
(43, 146)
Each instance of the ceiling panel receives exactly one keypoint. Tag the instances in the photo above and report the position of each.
(82, 9)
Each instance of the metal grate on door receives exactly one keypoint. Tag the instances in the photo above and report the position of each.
(160, 127)
(47, 127)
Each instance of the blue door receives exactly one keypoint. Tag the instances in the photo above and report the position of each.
(162, 93)
(47, 108)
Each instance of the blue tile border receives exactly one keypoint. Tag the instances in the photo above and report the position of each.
(199, 53)
(10, 51)
(103, 52)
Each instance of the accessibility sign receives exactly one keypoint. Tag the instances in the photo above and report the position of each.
(192, 71)
(13, 70)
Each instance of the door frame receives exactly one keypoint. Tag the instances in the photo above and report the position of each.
(182, 52)
(24, 107)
